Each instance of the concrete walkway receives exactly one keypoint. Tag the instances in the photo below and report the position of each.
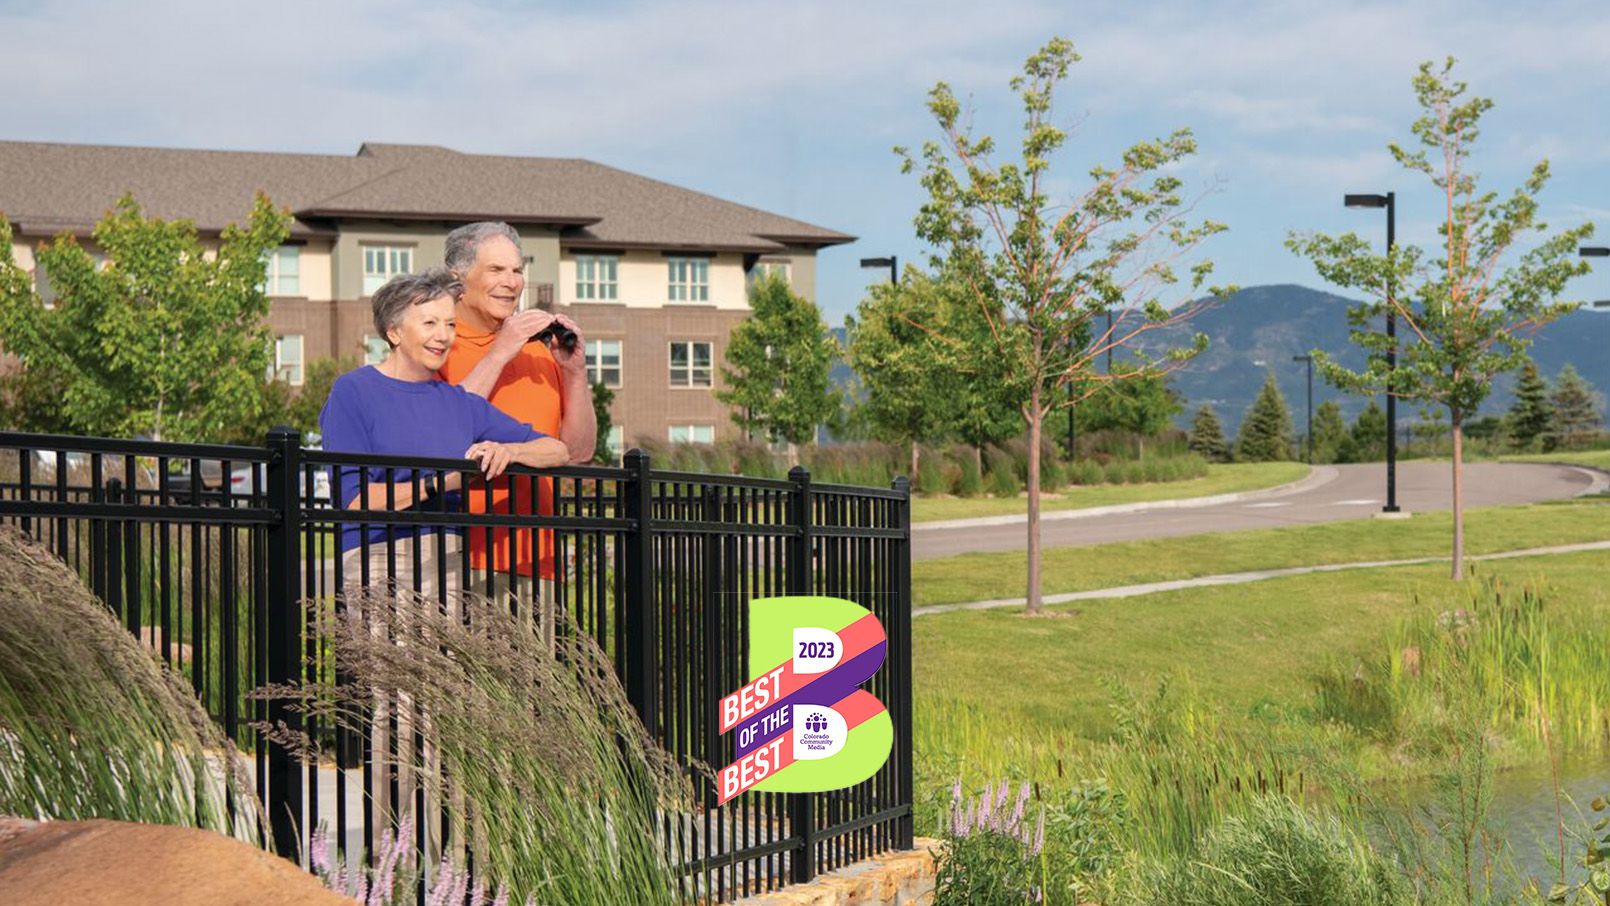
(1131, 591)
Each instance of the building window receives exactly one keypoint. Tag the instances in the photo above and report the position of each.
(287, 359)
(693, 434)
(382, 262)
(375, 349)
(615, 442)
(689, 279)
(283, 272)
(597, 277)
(765, 270)
(690, 364)
(604, 363)
(47, 292)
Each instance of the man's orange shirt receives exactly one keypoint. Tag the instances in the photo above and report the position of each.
(528, 390)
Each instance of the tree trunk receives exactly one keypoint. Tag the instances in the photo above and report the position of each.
(913, 462)
(1457, 421)
(978, 461)
(1036, 416)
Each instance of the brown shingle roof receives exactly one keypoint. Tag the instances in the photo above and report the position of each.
(46, 188)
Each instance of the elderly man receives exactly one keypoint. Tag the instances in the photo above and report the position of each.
(541, 384)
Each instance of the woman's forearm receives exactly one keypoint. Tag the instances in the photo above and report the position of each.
(542, 453)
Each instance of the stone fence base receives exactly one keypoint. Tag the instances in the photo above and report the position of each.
(904, 878)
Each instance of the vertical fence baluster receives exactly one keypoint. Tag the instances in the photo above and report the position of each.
(801, 806)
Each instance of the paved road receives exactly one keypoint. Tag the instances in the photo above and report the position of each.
(1335, 494)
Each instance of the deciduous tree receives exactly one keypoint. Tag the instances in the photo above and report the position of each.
(1041, 264)
(775, 376)
(162, 339)
(1466, 314)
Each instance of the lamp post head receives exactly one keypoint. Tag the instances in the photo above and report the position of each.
(1602, 303)
(877, 262)
(1594, 251)
(1364, 200)
(1302, 358)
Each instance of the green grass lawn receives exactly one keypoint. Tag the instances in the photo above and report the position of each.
(1222, 478)
(974, 577)
(999, 694)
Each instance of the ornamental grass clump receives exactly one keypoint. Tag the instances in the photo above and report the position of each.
(561, 786)
(91, 724)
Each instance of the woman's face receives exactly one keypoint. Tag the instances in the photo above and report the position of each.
(425, 333)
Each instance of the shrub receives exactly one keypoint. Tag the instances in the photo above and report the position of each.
(1001, 473)
(970, 483)
(1279, 855)
(991, 854)
(931, 469)
(1086, 472)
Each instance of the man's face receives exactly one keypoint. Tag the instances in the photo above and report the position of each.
(495, 282)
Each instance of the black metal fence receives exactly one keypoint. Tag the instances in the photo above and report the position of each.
(217, 557)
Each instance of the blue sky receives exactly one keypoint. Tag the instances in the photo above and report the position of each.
(794, 107)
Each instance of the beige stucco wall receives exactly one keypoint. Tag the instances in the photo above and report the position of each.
(315, 267)
(643, 282)
(802, 271)
(22, 252)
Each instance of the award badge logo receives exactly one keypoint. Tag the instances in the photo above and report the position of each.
(802, 724)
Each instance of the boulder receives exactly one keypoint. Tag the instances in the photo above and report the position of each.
(116, 863)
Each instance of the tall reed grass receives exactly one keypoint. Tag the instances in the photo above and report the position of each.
(91, 724)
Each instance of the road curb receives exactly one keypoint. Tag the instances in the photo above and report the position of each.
(1147, 588)
(1317, 477)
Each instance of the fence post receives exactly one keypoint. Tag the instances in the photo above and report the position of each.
(284, 634)
(638, 612)
(900, 644)
(801, 806)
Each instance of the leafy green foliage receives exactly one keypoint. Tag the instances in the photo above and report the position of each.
(1577, 413)
(165, 340)
(603, 397)
(1466, 315)
(296, 407)
(1265, 434)
(1531, 417)
(1143, 405)
(775, 376)
(1207, 435)
(1040, 268)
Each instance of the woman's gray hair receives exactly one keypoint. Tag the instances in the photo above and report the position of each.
(464, 243)
(407, 290)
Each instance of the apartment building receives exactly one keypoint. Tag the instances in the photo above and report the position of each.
(656, 275)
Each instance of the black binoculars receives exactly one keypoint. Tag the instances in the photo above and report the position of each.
(556, 331)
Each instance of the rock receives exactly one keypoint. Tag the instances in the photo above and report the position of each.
(116, 863)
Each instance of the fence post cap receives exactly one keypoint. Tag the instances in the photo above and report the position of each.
(283, 432)
(799, 473)
(902, 484)
(636, 456)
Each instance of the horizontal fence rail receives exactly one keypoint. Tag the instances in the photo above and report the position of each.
(219, 557)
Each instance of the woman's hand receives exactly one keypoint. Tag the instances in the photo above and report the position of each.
(493, 457)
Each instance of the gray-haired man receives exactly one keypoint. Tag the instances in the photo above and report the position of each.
(542, 384)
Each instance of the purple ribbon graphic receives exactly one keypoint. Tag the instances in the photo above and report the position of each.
(827, 689)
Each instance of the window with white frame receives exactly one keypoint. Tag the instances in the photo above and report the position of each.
(689, 279)
(693, 434)
(597, 277)
(604, 362)
(283, 272)
(382, 262)
(287, 359)
(615, 442)
(765, 270)
(375, 349)
(690, 364)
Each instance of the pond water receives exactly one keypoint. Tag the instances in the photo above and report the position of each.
(1526, 814)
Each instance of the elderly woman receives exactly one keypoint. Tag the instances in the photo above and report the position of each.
(400, 408)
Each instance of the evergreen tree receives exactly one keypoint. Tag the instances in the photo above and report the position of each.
(1207, 435)
(1329, 431)
(1577, 415)
(1531, 418)
(1366, 440)
(1265, 434)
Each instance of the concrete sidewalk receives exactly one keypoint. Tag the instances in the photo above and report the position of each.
(1131, 591)
(1316, 477)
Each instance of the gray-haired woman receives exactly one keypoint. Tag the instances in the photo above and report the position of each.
(400, 408)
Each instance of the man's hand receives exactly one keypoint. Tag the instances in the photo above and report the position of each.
(517, 330)
(574, 361)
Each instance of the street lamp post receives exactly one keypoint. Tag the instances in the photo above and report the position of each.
(892, 263)
(1310, 360)
(1390, 202)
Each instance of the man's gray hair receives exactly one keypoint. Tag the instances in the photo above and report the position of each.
(404, 291)
(464, 243)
